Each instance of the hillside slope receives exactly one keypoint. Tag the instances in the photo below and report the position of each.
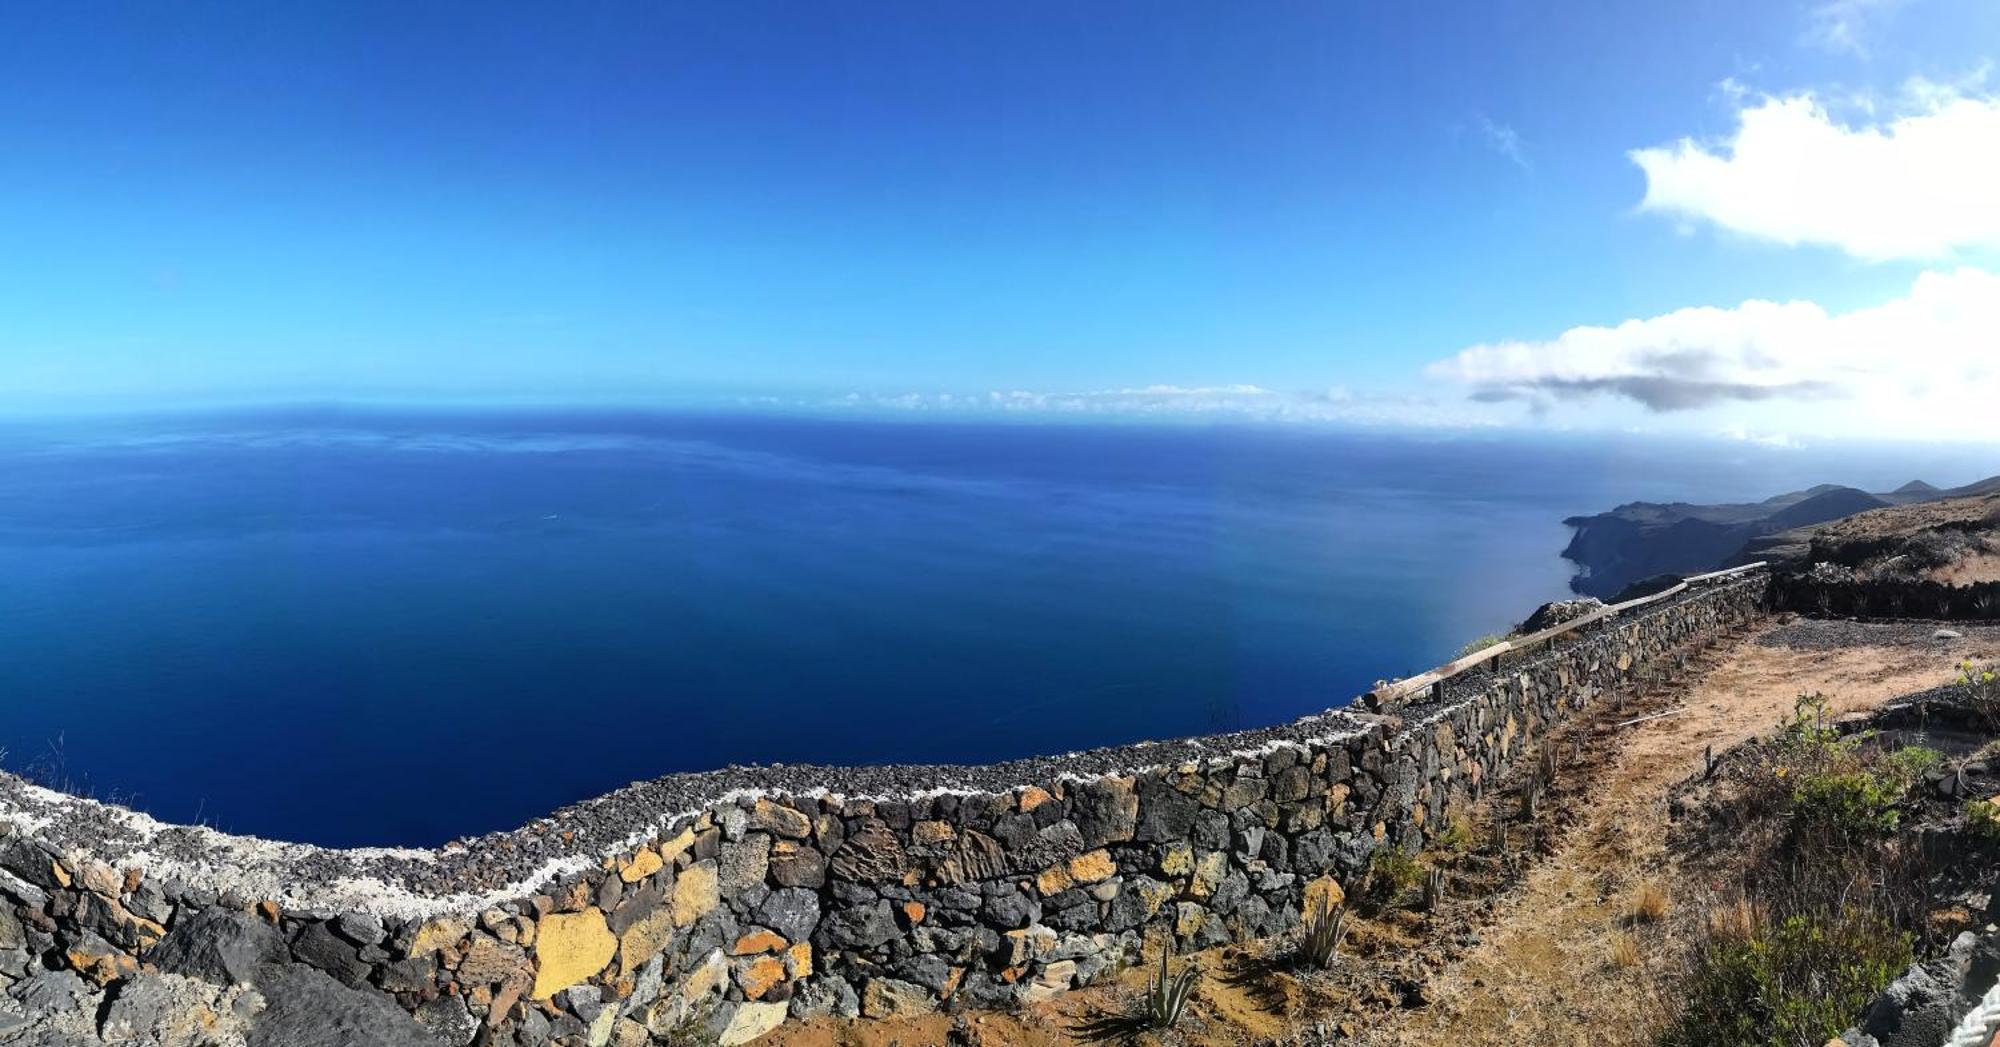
(1642, 540)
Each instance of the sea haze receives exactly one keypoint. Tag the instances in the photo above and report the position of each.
(391, 628)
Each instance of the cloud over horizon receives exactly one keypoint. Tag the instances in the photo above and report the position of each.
(1928, 361)
(1162, 402)
(1924, 183)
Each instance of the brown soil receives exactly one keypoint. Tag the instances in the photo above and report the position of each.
(1909, 519)
(1544, 942)
(1568, 958)
(1978, 567)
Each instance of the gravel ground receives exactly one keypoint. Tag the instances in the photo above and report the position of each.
(1833, 634)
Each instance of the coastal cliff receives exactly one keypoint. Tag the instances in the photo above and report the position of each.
(1643, 540)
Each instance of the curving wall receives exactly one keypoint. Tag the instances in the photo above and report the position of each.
(735, 899)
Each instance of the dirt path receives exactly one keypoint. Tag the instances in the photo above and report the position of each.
(1561, 957)
(1569, 957)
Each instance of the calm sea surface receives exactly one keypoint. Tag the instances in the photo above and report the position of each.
(373, 628)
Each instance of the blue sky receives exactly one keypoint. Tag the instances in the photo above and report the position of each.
(1330, 211)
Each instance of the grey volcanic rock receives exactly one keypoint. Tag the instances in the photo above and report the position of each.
(316, 944)
(306, 1008)
(791, 911)
(51, 991)
(220, 946)
(1556, 612)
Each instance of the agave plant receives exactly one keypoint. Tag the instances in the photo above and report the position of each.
(1168, 995)
(1434, 890)
(1531, 797)
(1325, 928)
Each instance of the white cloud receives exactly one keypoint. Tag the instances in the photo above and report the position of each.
(1238, 403)
(1740, 432)
(1840, 26)
(1925, 183)
(1505, 141)
(1926, 363)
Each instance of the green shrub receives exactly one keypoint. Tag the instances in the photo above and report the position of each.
(1982, 819)
(1456, 836)
(1844, 805)
(1391, 872)
(1981, 686)
(1796, 983)
(1479, 644)
(1809, 741)
(1907, 766)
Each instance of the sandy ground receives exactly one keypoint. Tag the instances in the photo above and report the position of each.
(1560, 957)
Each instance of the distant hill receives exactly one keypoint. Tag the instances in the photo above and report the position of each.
(1643, 540)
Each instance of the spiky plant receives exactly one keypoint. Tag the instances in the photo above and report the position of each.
(1434, 890)
(1319, 940)
(1168, 995)
(1531, 797)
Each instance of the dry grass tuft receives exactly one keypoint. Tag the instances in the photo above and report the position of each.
(1650, 903)
(1736, 920)
(1624, 951)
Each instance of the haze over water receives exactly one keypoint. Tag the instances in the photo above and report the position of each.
(371, 627)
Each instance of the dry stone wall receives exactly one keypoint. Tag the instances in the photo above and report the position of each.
(732, 901)
(1825, 588)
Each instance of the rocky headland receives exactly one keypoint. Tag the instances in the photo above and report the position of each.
(1638, 541)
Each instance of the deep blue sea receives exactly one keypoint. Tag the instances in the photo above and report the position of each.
(366, 627)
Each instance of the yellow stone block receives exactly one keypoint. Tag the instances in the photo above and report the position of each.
(763, 973)
(644, 940)
(695, 893)
(756, 942)
(642, 865)
(1323, 895)
(933, 832)
(799, 960)
(1095, 867)
(439, 934)
(570, 947)
(677, 846)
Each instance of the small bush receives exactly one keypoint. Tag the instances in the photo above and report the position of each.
(1479, 644)
(1982, 819)
(1981, 686)
(1795, 983)
(1391, 873)
(1809, 741)
(1649, 903)
(1844, 806)
(1456, 836)
(1906, 767)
